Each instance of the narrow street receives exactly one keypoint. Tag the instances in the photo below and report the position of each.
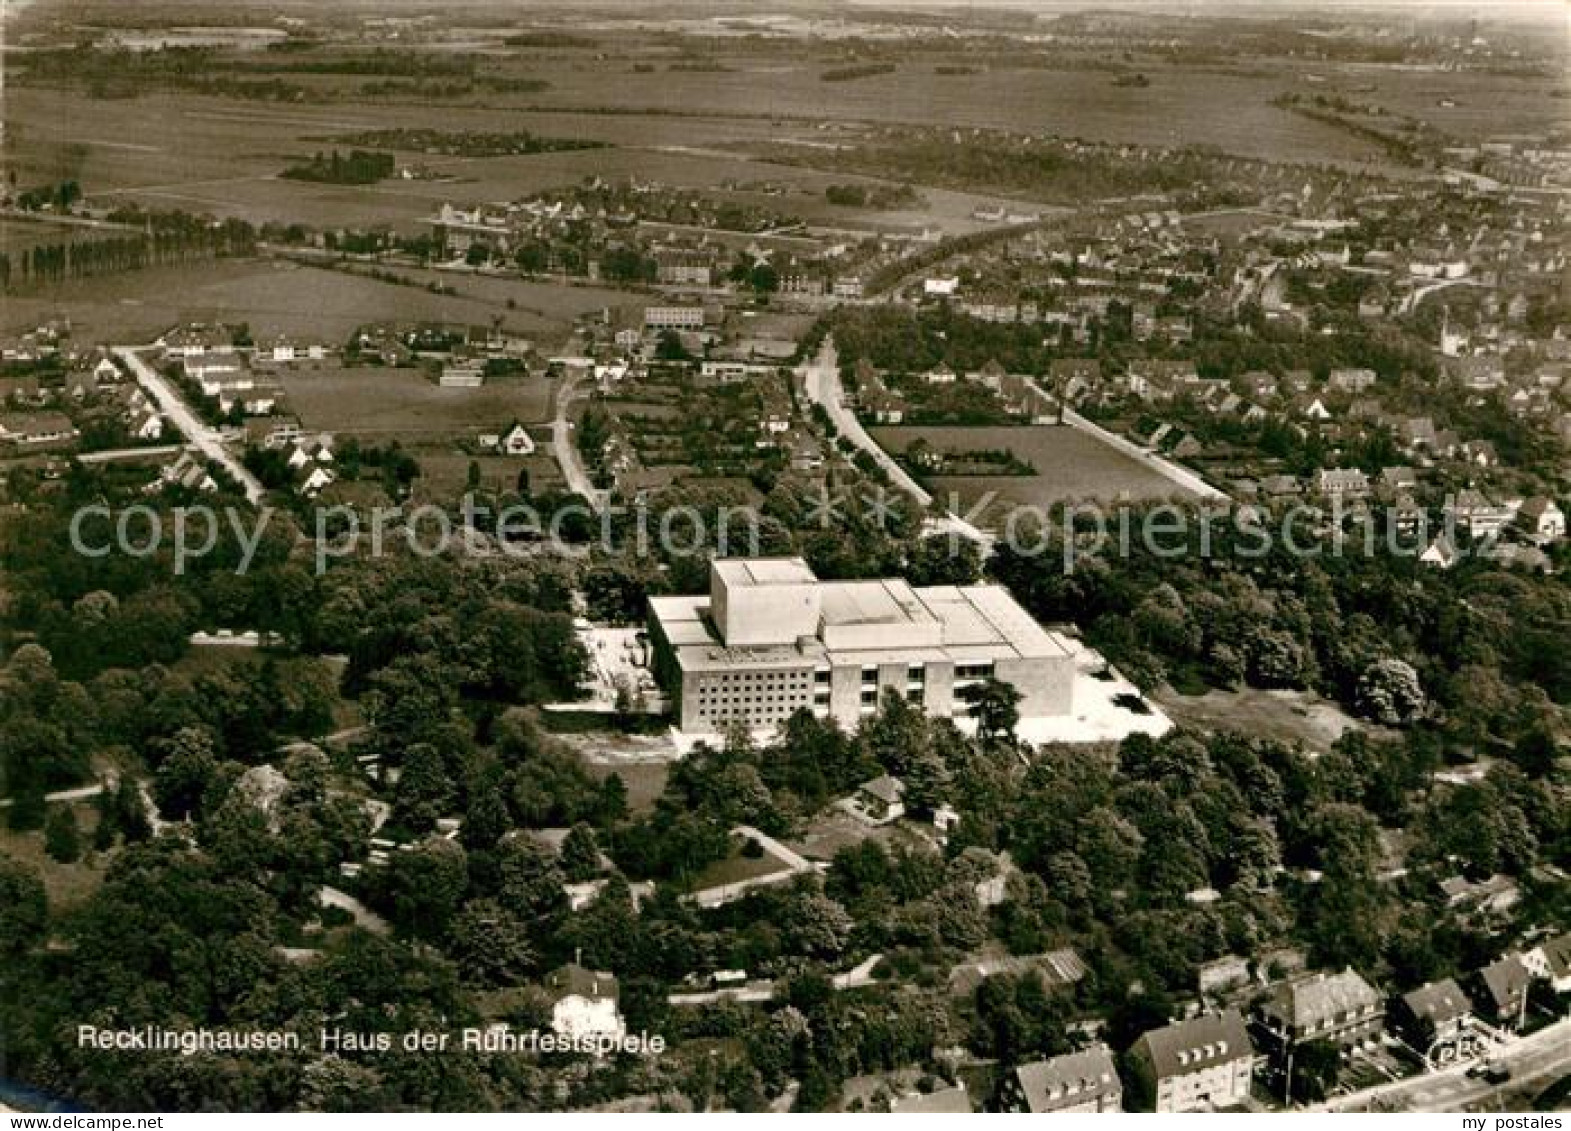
(174, 407)
(566, 451)
(821, 381)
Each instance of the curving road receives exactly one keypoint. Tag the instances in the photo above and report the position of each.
(821, 381)
(198, 433)
(566, 452)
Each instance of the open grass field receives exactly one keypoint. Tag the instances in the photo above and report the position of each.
(1288, 716)
(274, 297)
(379, 404)
(444, 473)
(1070, 465)
(22, 233)
(68, 885)
(737, 868)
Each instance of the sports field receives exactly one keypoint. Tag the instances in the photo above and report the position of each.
(1070, 466)
(378, 403)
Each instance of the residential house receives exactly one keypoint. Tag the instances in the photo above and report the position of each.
(186, 471)
(36, 431)
(990, 376)
(1079, 1083)
(317, 481)
(806, 454)
(516, 441)
(1472, 511)
(81, 384)
(1500, 991)
(1314, 408)
(145, 425)
(1496, 895)
(1478, 373)
(1434, 1018)
(196, 339)
(941, 1101)
(1258, 385)
(1201, 1064)
(1340, 1008)
(1416, 432)
(1351, 380)
(731, 372)
(1440, 553)
(285, 351)
(774, 418)
(273, 432)
(940, 374)
(877, 400)
(106, 372)
(1480, 453)
(584, 1003)
(1342, 482)
(1074, 377)
(310, 451)
(1541, 520)
(882, 799)
(212, 371)
(1551, 959)
(1396, 482)
(1276, 488)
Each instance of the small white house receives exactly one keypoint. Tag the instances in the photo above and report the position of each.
(1551, 960)
(147, 426)
(584, 1003)
(516, 441)
(1542, 520)
(319, 479)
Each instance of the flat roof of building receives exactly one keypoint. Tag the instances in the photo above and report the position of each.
(978, 624)
(764, 571)
(872, 602)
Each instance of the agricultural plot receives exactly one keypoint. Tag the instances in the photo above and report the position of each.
(21, 234)
(1070, 465)
(274, 297)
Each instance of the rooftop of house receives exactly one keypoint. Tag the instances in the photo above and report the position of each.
(1320, 998)
(1066, 1081)
(885, 788)
(1196, 1044)
(1506, 978)
(945, 1101)
(1557, 953)
(1438, 1002)
(574, 980)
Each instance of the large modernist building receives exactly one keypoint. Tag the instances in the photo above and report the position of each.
(770, 639)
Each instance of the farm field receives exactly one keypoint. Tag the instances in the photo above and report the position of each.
(274, 297)
(378, 404)
(1070, 465)
(20, 233)
(201, 153)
